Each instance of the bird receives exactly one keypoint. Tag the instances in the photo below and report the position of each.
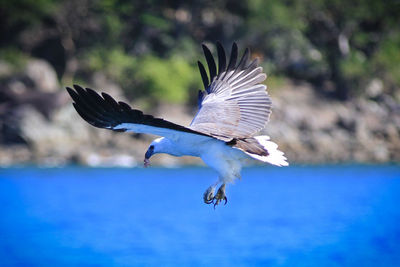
(232, 110)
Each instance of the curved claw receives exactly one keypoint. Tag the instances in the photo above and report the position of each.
(220, 196)
(220, 200)
(208, 196)
(216, 202)
(208, 201)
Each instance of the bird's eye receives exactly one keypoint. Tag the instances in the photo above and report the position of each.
(151, 147)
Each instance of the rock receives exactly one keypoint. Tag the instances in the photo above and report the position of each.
(15, 155)
(306, 126)
(314, 129)
(17, 88)
(58, 138)
(374, 88)
(43, 75)
(103, 84)
(5, 69)
(119, 160)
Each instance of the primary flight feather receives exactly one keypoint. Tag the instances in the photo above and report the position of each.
(233, 107)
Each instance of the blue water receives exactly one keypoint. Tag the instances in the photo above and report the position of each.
(296, 216)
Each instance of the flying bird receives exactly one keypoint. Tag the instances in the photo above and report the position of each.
(232, 109)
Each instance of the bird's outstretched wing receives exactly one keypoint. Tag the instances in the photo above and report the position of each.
(104, 112)
(234, 104)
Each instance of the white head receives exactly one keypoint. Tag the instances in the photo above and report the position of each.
(159, 145)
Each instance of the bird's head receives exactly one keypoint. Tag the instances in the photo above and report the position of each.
(159, 145)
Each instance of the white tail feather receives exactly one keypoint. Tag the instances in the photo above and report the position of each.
(275, 156)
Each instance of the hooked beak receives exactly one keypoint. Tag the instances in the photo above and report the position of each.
(147, 157)
(148, 154)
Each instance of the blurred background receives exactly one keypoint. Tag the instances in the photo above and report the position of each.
(334, 78)
(333, 74)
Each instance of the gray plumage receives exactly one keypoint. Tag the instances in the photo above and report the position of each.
(234, 105)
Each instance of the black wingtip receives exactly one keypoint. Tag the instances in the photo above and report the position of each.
(78, 88)
(221, 58)
(210, 62)
(203, 73)
(103, 111)
(234, 54)
(74, 95)
(233, 57)
(111, 102)
(70, 91)
(244, 59)
(234, 45)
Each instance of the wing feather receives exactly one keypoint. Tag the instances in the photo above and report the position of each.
(203, 74)
(221, 58)
(235, 103)
(210, 61)
(233, 58)
(104, 112)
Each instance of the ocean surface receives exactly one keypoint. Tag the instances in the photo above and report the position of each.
(296, 216)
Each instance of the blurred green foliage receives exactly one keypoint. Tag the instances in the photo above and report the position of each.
(153, 78)
(151, 47)
(168, 79)
(14, 57)
(386, 60)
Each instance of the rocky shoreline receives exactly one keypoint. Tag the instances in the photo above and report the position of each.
(39, 126)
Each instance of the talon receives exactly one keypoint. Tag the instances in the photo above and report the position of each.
(208, 196)
(216, 202)
(220, 196)
(208, 201)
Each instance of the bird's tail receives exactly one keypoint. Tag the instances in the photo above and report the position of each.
(261, 148)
